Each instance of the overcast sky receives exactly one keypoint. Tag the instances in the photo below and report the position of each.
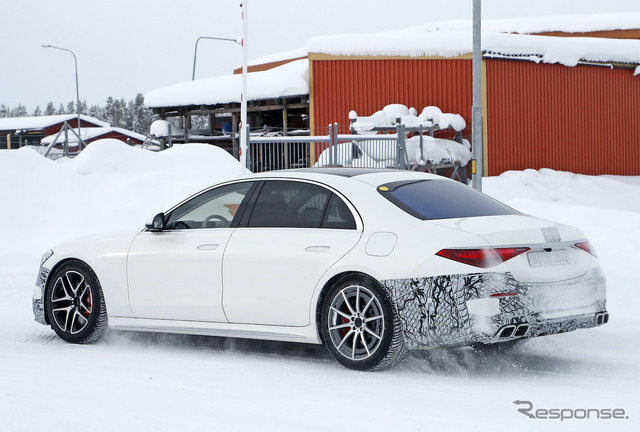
(125, 47)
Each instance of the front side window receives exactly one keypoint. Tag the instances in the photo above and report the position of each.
(215, 208)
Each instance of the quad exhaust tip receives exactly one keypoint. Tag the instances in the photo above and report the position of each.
(512, 330)
(602, 318)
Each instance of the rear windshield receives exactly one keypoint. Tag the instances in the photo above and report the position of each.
(442, 199)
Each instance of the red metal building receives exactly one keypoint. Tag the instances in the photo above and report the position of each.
(584, 119)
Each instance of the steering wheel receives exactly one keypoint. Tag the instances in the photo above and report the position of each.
(222, 219)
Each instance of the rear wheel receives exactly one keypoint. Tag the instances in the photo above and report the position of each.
(360, 326)
(75, 304)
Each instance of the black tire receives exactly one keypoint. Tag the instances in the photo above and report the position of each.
(74, 303)
(360, 326)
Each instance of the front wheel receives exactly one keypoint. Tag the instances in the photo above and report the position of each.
(360, 326)
(75, 304)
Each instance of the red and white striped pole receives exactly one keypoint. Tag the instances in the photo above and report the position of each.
(243, 96)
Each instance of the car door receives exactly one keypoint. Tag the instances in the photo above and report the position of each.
(273, 263)
(176, 273)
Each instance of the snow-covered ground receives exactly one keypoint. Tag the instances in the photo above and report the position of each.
(139, 382)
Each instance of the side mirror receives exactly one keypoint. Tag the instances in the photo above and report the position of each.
(157, 224)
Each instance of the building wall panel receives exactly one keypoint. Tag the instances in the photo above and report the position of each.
(367, 85)
(583, 119)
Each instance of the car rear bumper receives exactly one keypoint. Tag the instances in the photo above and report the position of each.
(494, 307)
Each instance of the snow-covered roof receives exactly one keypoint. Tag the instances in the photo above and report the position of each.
(94, 132)
(291, 79)
(41, 122)
(417, 43)
(285, 55)
(540, 24)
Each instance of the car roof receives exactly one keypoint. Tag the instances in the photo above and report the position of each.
(373, 176)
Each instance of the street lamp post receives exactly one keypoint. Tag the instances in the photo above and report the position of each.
(195, 50)
(75, 62)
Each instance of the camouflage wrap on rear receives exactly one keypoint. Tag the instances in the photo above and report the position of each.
(434, 312)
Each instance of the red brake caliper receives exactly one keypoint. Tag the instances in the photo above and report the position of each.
(345, 330)
(88, 300)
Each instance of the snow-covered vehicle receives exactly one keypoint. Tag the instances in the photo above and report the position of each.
(369, 262)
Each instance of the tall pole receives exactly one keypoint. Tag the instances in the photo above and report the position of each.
(195, 50)
(243, 96)
(476, 110)
(75, 62)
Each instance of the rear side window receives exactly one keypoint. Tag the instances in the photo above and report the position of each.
(289, 204)
(442, 199)
(293, 204)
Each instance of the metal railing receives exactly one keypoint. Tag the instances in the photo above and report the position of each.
(371, 151)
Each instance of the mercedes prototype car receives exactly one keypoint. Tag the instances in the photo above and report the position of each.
(371, 263)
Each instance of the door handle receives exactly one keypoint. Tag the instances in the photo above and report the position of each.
(317, 248)
(208, 247)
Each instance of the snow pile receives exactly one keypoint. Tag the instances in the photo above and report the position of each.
(109, 186)
(565, 188)
(388, 116)
(438, 151)
(290, 79)
(382, 151)
(160, 129)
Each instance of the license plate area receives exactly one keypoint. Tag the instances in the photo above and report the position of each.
(547, 259)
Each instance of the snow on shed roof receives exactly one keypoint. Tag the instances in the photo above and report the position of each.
(541, 24)
(417, 43)
(91, 133)
(284, 55)
(291, 79)
(41, 122)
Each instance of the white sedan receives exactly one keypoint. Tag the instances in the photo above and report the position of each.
(369, 262)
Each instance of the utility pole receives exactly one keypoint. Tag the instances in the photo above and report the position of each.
(476, 109)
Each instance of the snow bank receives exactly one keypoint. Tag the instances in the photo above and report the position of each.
(291, 79)
(109, 186)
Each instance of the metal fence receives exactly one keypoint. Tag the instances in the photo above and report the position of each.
(370, 151)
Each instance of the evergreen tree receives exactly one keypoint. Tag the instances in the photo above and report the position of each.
(50, 110)
(19, 111)
(131, 115)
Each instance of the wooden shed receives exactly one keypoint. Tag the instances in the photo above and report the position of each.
(16, 132)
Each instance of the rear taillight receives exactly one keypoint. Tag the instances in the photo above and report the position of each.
(587, 247)
(482, 257)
